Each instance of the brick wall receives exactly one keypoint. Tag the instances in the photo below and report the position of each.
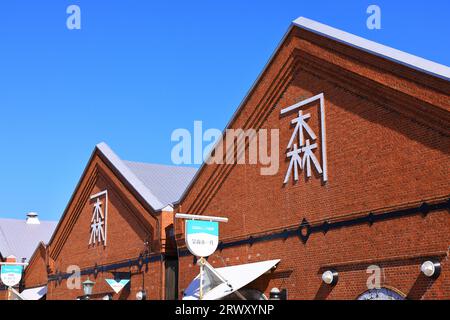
(395, 246)
(129, 226)
(147, 278)
(35, 274)
(388, 145)
(3, 294)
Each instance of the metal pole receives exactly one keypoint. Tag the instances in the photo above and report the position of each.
(9, 293)
(201, 278)
(200, 217)
(14, 263)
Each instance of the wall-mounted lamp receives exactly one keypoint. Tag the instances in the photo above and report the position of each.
(431, 269)
(330, 277)
(107, 297)
(141, 295)
(274, 294)
(277, 294)
(87, 288)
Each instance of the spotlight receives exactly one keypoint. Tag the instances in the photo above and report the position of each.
(431, 269)
(330, 277)
(275, 294)
(141, 295)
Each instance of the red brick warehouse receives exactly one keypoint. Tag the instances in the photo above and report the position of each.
(135, 243)
(364, 188)
(379, 194)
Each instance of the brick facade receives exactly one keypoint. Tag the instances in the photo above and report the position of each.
(35, 274)
(388, 145)
(386, 201)
(133, 241)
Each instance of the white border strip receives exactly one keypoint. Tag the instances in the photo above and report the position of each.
(392, 54)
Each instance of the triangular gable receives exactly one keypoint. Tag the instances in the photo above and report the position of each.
(418, 87)
(397, 56)
(37, 267)
(105, 161)
(40, 250)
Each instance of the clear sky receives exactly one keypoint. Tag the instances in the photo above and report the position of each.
(138, 69)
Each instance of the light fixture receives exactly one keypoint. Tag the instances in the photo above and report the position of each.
(274, 294)
(107, 297)
(141, 295)
(277, 294)
(330, 277)
(431, 269)
(87, 287)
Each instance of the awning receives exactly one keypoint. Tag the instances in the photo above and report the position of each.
(220, 282)
(34, 293)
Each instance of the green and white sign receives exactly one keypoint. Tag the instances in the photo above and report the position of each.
(11, 275)
(202, 237)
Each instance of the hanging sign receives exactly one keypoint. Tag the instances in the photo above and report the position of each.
(11, 275)
(117, 286)
(202, 237)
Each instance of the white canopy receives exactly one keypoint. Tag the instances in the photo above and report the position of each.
(34, 293)
(220, 282)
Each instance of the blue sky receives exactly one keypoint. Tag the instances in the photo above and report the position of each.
(138, 69)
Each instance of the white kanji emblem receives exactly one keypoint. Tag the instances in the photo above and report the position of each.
(296, 161)
(300, 124)
(302, 154)
(309, 156)
(98, 221)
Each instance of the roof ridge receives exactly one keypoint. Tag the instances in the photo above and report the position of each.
(137, 184)
(24, 221)
(407, 59)
(129, 170)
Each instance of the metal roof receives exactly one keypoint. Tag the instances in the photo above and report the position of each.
(159, 185)
(21, 239)
(166, 183)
